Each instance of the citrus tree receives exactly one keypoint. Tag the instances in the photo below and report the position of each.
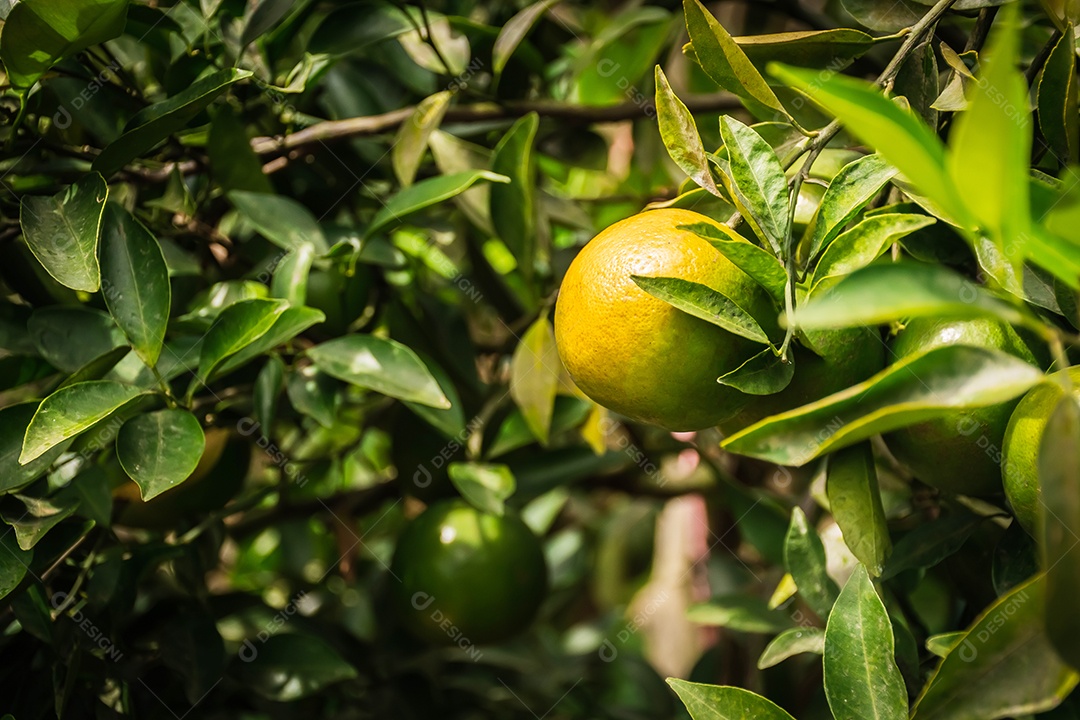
(441, 360)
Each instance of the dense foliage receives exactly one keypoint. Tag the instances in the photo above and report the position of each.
(279, 275)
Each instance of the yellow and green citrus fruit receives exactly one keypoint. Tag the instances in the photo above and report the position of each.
(466, 577)
(959, 452)
(1020, 461)
(638, 355)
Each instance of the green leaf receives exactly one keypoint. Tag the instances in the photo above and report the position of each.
(514, 31)
(135, 282)
(385, 366)
(14, 562)
(895, 291)
(855, 502)
(450, 421)
(233, 163)
(289, 324)
(620, 56)
(486, 487)
(941, 645)
(1004, 667)
(790, 643)
(261, 16)
(917, 388)
(159, 450)
(62, 231)
(281, 220)
(739, 612)
(1058, 525)
(289, 667)
(14, 420)
(40, 33)
(901, 138)
(703, 302)
(235, 328)
(716, 702)
(804, 559)
(411, 141)
(865, 243)
(96, 368)
(70, 411)
(153, 124)
(534, 377)
(426, 193)
(71, 337)
(727, 64)
(757, 182)
(835, 48)
(929, 544)
(763, 374)
(862, 681)
(290, 278)
(680, 135)
(314, 394)
(884, 17)
(759, 264)
(267, 392)
(850, 191)
(38, 517)
(1057, 100)
(998, 116)
(513, 204)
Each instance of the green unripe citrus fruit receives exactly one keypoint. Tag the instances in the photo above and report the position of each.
(959, 452)
(466, 576)
(638, 355)
(1020, 461)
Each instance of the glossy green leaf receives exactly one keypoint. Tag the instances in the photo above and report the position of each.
(449, 421)
(40, 33)
(411, 141)
(513, 204)
(486, 487)
(620, 56)
(680, 135)
(233, 163)
(941, 645)
(70, 411)
(313, 393)
(759, 264)
(887, 292)
(14, 563)
(1057, 100)
(62, 231)
(261, 16)
(850, 191)
(998, 116)
(426, 193)
(157, 122)
(37, 517)
(835, 48)
(14, 420)
(916, 388)
(290, 279)
(866, 242)
(804, 559)
(289, 324)
(885, 17)
(514, 31)
(135, 282)
(792, 642)
(235, 328)
(534, 377)
(385, 366)
(930, 543)
(739, 612)
(855, 503)
(917, 81)
(514, 433)
(727, 64)
(758, 184)
(281, 220)
(97, 368)
(716, 702)
(862, 681)
(266, 394)
(159, 450)
(288, 667)
(763, 374)
(1059, 524)
(1004, 667)
(900, 137)
(703, 302)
